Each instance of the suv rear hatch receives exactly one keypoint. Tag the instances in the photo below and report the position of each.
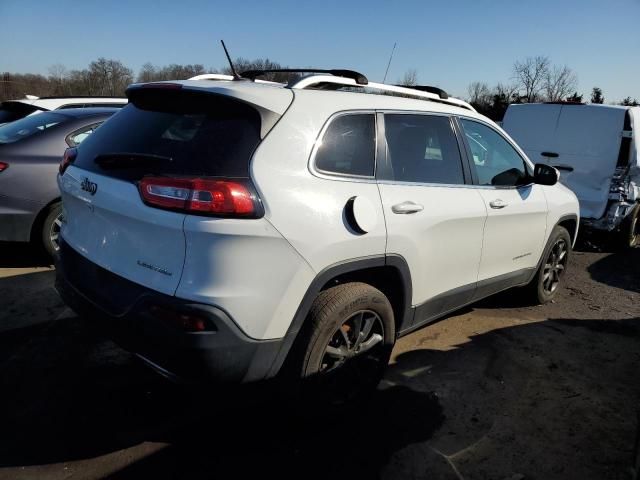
(125, 194)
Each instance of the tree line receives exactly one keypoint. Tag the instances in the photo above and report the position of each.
(110, 77)
(533, 79)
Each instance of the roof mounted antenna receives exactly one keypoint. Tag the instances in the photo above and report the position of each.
(233, 69)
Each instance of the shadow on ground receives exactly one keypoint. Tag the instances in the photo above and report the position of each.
(22, 255)
(549, 400)
(621, 270)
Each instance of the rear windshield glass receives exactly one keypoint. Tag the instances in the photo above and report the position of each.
(10, 111)
(179, 134)
(29, 126)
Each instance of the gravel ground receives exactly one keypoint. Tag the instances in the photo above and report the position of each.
(495, 391)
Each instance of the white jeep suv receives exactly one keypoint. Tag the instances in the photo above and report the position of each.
(225, 228)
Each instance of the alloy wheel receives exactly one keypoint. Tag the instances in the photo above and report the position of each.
(555, 266)
(54, 233)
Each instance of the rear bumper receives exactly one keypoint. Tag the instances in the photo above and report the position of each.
(123, 310)
(16, 218)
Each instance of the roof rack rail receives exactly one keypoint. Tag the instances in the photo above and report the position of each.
(433, 94)
(221, 76)
(357, 77)
(428, 88)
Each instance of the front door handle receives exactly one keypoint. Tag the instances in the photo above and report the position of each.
(498, 203)
(550, 154)
(407, 207)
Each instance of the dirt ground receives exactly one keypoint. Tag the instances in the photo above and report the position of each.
(496, 391)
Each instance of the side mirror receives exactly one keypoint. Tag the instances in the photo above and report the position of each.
(544, 174)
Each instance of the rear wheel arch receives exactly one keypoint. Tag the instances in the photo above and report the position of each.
(388, 273)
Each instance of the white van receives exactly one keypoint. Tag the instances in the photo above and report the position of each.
(596, 149)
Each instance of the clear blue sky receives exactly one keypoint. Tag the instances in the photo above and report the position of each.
(449, 43)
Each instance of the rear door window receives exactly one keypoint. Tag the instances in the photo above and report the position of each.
(182, 134)
(348, 146)
(422, 149)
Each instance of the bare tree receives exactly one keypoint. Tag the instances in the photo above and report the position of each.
(58, 74)
(506, 91)
(530, 75)
(559, 82)
(147, 73)
(410, 78)
(479, 95)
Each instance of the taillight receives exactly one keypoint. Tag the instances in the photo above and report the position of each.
(229, 198)
(68, 158)
(3, 166)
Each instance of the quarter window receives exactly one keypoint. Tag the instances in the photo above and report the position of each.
(496, 162)
(422, 148)
(77, 137)
(348, 146)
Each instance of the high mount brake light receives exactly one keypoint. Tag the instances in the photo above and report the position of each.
(166, 86)
(229, 198)
(68, 158)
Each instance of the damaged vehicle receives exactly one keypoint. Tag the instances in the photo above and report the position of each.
(596, 149)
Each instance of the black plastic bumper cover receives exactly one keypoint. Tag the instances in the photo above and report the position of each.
(121, 309)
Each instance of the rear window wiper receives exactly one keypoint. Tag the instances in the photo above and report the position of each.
(129, 160)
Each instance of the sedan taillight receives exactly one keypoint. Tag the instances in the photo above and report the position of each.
(228, 198)
(68, 158)
(3, 166)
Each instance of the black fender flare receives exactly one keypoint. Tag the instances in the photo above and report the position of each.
(327, 274)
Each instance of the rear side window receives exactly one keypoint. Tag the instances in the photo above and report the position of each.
(76, 138)
(423, 149)
(174, 133)
(29, 126)
(348, 146)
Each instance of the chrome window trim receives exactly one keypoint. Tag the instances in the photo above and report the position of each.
(455, 136)
(345, 177)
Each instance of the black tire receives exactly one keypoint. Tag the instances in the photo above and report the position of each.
(630, 230)
(326, 380)
(546, 283)
(51, 229)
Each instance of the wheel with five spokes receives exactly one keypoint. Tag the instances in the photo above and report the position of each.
(51, 229)
(545, 284)
(345, 345)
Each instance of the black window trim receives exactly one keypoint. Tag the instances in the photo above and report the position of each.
(318, 172)
(384, 177)
(67, 139)
(469, 156)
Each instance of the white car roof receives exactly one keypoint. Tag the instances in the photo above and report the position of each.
(277, 97)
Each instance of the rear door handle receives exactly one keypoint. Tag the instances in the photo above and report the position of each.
(550, 154)
(407, 207)
(497, 203)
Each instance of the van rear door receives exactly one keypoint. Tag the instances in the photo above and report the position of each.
(587, 141)
(533, 127)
